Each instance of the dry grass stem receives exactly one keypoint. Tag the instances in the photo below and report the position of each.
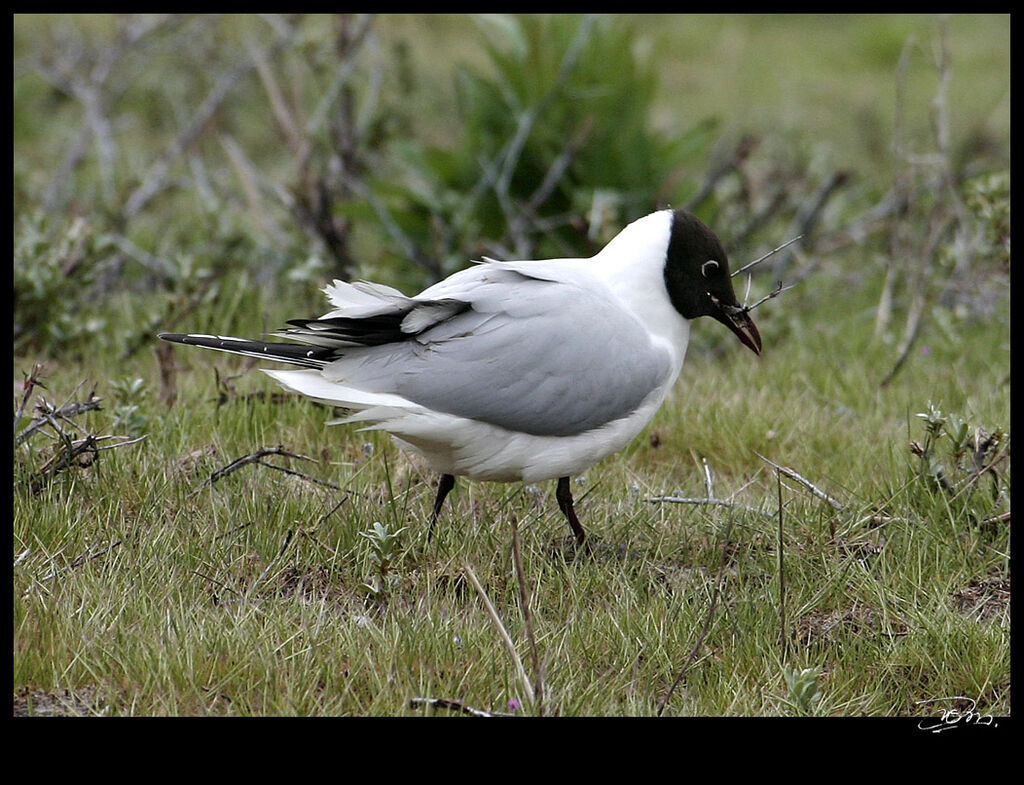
(506, 639)
(707, 621)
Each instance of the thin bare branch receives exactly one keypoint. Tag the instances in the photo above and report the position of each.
(300, 475)
(49, 413)
(397, 234)
(771, 253)
(809, 216)
(772, 206)
(255, 186)
(333, 510)
(256, 457)
(155, 178)
(746, 145)
(709, 501)
(32, 381)
(85, 557)
(92, 88)
(283, 114)
(558, 167)
(454, 705)
(838, 505)
(124, 443)
(779, 289)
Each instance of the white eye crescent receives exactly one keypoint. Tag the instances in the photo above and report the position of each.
(709, 268)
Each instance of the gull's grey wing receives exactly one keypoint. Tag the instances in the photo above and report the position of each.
(537, 356)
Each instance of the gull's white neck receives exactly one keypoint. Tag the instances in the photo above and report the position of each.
(633, 266)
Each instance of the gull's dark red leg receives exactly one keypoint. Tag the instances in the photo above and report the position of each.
(564, 496)
(444, 487)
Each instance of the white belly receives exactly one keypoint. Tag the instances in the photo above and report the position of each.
(481, 451)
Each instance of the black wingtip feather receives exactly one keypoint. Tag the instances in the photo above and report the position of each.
(293, 354)
(368, 331)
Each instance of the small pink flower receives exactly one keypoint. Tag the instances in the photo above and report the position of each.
(514, 705)
(926, 350)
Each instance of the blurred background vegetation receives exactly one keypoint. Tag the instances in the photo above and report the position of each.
(180, 171)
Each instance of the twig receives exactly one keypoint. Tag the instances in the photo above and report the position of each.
(707, 621)
(838, 505)
(136, 440)
(293, 131)
(496, 175)
(225, 391)
(321, 186)
(912, 259)
(740, 153)
(85, 557)
(710, 498)
(155, 264)
(985, 445)
(87, 85)
(397, 234)
(779, 289)
(502, 632)
(301, 475)
(31, 382)
(919, 301)
(218, 583)
(234, 530)
(510, 156)
(705, 500)
(774, 251)
(758, 220)
(154, 179)
(454, 705)
(256, 458)
(559, 165)
(89, 446)
(253, 186)
(333, 509)
(319, 544)
(809, 216)
(342, 74)
(49, 413)
(1002, 517)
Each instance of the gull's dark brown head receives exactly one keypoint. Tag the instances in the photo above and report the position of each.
(698, 281)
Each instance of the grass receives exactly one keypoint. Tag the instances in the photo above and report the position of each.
(138, 590)
(248, 597)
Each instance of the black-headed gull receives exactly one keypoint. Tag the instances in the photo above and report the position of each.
(515, 371)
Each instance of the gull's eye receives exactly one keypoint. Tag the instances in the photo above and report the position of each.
(709, 268)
